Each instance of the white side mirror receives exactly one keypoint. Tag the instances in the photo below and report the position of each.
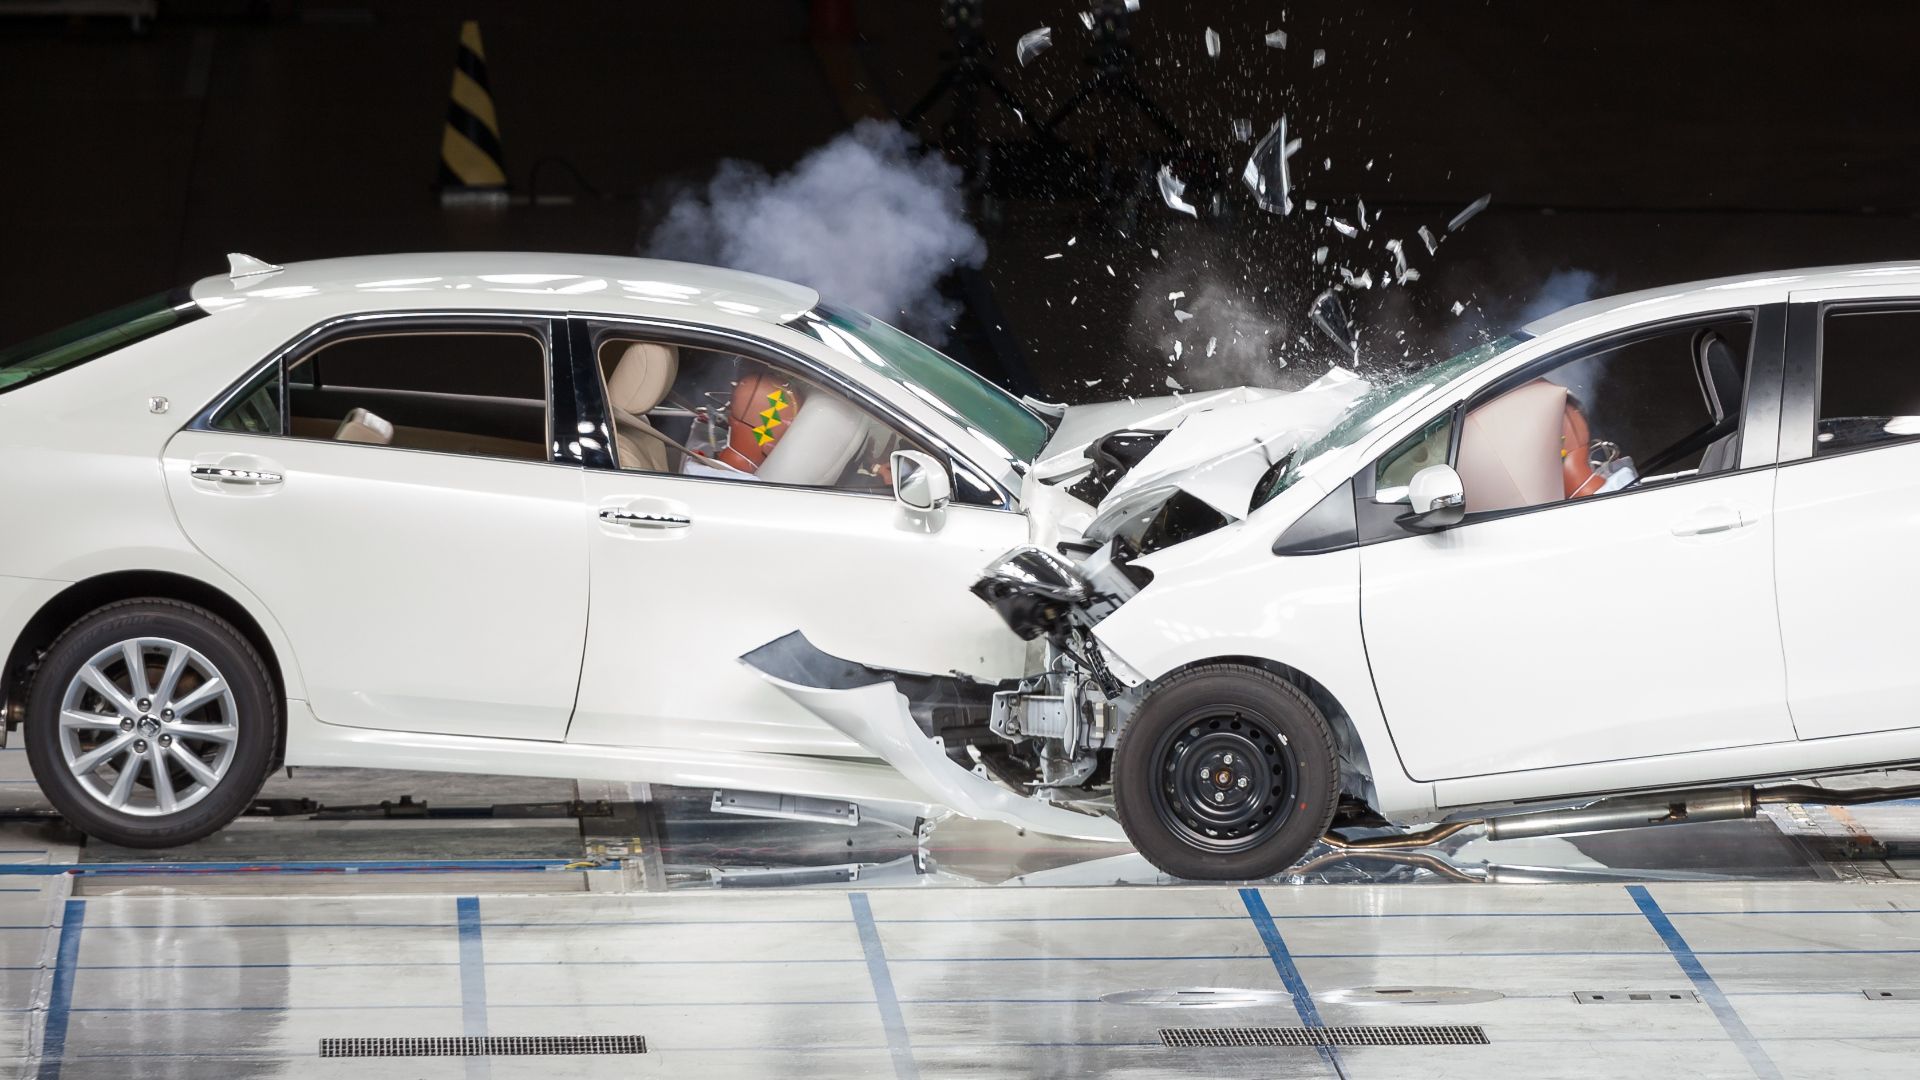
(1435, 499)
(920, 482)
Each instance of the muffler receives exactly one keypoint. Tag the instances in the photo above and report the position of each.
(1628, 812)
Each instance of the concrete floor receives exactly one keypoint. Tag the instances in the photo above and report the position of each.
(1768, 944)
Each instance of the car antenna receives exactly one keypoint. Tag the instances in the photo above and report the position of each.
(246, 266)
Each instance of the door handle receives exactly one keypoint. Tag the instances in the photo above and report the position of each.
(1717, 519)
(222, 474)
(635, 519)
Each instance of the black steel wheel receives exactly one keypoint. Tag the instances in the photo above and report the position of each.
(1225, 773)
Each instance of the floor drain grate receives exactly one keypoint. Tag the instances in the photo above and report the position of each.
(1636, 997)
(483, 1046)
(1364, 1035)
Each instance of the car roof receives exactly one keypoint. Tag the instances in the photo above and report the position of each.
(1769, 287)
(522, 281)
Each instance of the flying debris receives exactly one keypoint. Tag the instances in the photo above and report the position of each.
(1032, 44)
(1276, 39)
(1266, 171)
(1212, 343)
(1342, 227)
(1319, 57)
(1177, 349)
(1458, 307)
(1133, 5)
(1327, 314)
(1466, 215)
(1091, 382)
(1402, 273)
(1320, 256)
(1242, 130)
(1176, 295)
(1110, 272)
(1086, 19)
(1057, 255)
(1173, 385)
(1426, 237)
(1172, 191)
(1181, 316)
(1362, 216)
(1364, 281)
(1213, 43)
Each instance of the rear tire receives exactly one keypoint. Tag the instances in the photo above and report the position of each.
(151, 723)
(1225, 773)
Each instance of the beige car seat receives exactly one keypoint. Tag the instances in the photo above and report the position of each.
(639, 383)
(361, 426)
(818, 445)
(1510, 449)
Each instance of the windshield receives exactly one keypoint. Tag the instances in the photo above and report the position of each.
(73, 345)
(1370, 409)
(990, 413)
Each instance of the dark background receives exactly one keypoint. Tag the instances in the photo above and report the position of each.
(1633, 143)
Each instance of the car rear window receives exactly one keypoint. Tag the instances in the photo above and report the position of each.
(71, 346)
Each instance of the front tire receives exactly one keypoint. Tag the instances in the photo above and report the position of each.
(1225, 773)
(151, 723)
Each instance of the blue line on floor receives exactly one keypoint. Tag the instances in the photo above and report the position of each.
(899, 1046)
(268, 867)
(1723, 1010)
(473, 981)
(53, 1044)
(1289, 974)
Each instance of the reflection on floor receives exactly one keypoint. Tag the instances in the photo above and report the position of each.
(1783, 946)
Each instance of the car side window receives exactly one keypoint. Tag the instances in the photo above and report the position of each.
(1649, 411)
(694, 411)
(1869, 379)
(477, 392)
(1425, 447)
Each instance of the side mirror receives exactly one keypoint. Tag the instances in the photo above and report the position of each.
(1435, 500)
(920, 482)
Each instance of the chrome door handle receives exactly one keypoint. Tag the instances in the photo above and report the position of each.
(220, 474)
(1705, 524)
(614, 515)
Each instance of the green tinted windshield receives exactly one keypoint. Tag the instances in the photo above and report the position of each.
(96, 336)
(1376, 405)
(989, 412)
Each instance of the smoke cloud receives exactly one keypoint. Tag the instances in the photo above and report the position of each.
(867, 220)
(1563, 288)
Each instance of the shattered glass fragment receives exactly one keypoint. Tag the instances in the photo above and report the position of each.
(1072, 240)
(1276, 39)
(1175, 295)
(1032, 44)
(1402, 273)
(1155, 252)
(1342, 227)
(1176, 350)
(1320, 256)
(1327, 313)
(1362, 218)
(1212, 342)
(1110, 272)
(1266, 171)
(1172, 190)
(1319, 57)
(1181, 316)
(1364, 281)
(1213, 43)
(1242, 130)
(1133, 5)
(1466, 215)
(1311, 205)
(1458, 307)
(1057, 255)
(1327, 164)
(1426, 237)
(1091, 382)
(1173, 385)
(1086, 19)
(1369, 164)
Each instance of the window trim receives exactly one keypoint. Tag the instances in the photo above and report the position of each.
(1805, 372)
(596, 418)
(1760, 407)
(544, 327)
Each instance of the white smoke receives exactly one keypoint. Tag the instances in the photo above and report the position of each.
(865, 220)
(1563, 288)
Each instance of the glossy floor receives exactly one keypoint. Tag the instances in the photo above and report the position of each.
(237, 958)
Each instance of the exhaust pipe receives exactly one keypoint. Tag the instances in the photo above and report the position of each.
(1631, 812)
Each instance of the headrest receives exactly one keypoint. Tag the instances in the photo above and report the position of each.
(642, 377)
(362, 426)
(1719, 373)
(819, 443)
(1510, 449)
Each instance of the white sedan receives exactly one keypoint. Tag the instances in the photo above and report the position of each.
(526, 514)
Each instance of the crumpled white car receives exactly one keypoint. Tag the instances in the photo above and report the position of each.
(616, 519)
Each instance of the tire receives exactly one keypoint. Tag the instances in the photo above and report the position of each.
(83, 740)
(1271, 784)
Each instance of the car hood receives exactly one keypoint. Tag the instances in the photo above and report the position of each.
(1218, 444)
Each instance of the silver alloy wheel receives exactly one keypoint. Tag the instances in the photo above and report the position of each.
(148, 706)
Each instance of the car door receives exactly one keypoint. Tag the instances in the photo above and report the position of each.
(386, 489)
(691, 571)
(1549, 629)
(1848, 510)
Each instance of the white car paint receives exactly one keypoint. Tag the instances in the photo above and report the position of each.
(434, 611)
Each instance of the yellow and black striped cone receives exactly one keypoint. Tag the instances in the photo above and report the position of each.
(470, 156)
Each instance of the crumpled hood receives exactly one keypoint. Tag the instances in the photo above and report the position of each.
(1219, 445)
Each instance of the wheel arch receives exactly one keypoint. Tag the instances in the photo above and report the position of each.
(77, 599)
(1356, 771)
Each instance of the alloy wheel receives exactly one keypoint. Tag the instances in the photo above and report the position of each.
(148, 726)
